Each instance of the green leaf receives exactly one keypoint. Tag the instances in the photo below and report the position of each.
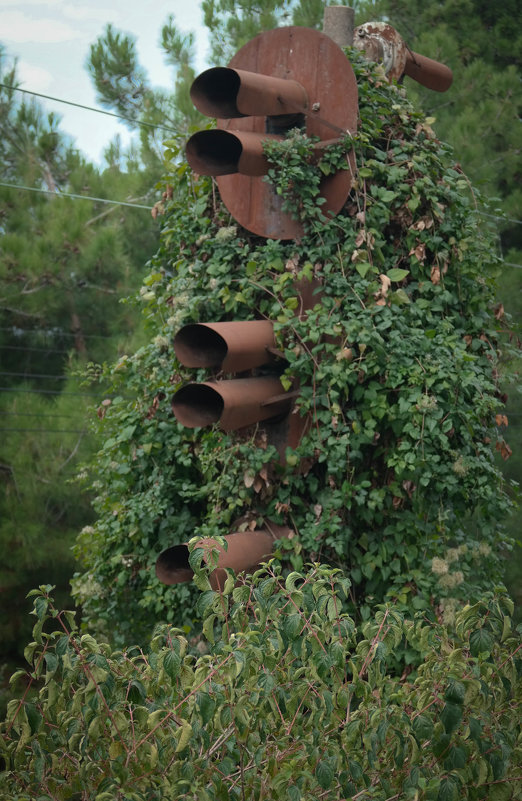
(207, 706)
(136, 692)
(266, 682)
(480, 642)
(422, 728)
(240, 659)
(51, 663)
(292, 625)
(293, 792)
(172, 664)
(324, 774)
(208, 627)
(387, 195)
(456, 758)
(40, 607)
(34, 717)
(448, 789)
(451, 716)
(183, 736)
(397, 274)
(455, 692)
(441, 745)
(363, 267)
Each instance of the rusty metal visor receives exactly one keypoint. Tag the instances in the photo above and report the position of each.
(226, 93)
(226, 152)
(233, 404)
(245, 550)
(232, 346)
(429, 73)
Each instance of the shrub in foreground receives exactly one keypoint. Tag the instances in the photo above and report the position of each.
(282, 698)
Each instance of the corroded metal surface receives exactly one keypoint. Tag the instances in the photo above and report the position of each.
(225, 93)
(320, 97)
(382, 43)
(245, 551)
(233, 404)
(233, 347)
(226, 152)
(427, 72)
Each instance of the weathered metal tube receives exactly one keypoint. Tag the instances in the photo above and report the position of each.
(431, 74)
(382, 43)
(226, 93)
(227, 152)
(245, 551)
(232, 346)
(233, 404)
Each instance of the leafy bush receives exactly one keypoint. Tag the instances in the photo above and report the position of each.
(395, 481)
(283, 698)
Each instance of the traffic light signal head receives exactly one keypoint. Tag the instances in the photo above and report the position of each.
(244, 551)
(283, 79)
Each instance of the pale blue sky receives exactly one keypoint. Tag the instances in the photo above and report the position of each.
(51, 39)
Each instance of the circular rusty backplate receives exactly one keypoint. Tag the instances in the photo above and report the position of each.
(321, 67)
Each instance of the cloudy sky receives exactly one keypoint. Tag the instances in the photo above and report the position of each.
(51, 39)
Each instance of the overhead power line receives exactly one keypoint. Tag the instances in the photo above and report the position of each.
(52, 392)
(77, 197)
(48, 430)
(33, 350)
(90, 108)
(39, 414)
(499, 217)
(14, 329)
(40, 375)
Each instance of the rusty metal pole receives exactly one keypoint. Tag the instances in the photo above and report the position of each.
(338, 24)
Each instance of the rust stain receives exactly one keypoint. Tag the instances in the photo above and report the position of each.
(383, 44)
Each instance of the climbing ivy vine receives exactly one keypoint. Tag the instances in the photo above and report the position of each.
(394, 482)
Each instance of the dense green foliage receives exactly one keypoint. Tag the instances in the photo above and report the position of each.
(395, 677)
(283, 698)
(478, 116)
(395, 480)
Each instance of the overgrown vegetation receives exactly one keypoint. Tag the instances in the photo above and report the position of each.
(389, 671)
(283, 698)
(395, 480)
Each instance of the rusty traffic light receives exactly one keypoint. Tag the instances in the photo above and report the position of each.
(234, 347)
(283, 79)
(233, 404)
(245, 550)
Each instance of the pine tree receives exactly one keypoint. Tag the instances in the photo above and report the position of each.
(64, 266)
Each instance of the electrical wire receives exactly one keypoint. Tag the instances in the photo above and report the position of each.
(90, 108)
(498, 217)
(48, 430)
(56, 392)
(30, 376)
(50, 333)
(165, 128)
(37, 414)
(77, 197)
(33, 350)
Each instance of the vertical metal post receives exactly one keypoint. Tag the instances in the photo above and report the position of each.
(338, 24)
